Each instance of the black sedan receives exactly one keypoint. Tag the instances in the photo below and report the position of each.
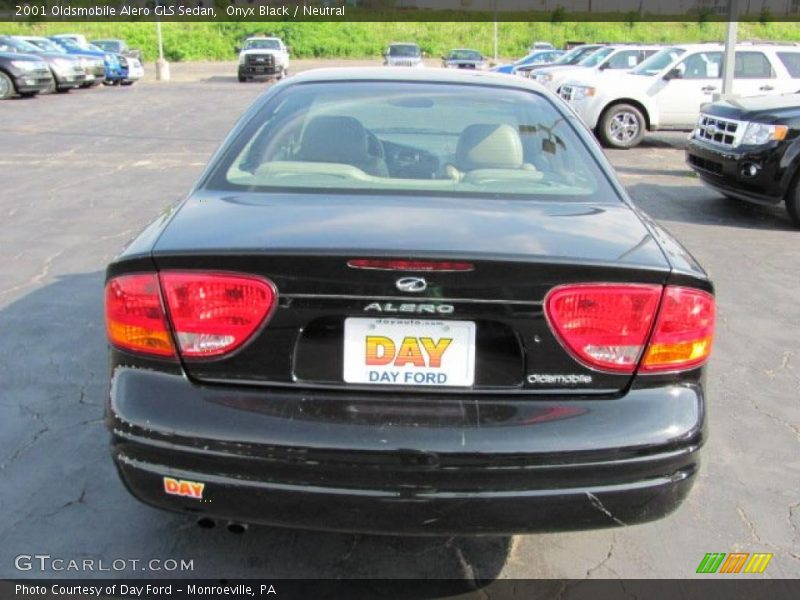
(412, 302)
(464, 59)
(749, 149)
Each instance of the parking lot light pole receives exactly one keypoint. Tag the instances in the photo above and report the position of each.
(729, 63)
(495, 31)
(162, 66)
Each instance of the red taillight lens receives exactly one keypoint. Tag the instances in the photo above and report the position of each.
(215, 313)
(607, 326)
(684, 331)
(134, 315)
(604, 326)
(408, 265)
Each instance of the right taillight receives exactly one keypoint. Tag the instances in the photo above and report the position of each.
(615, 327)
(684, 331)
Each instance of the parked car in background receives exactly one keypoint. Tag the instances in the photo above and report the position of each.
(403, 55)
(571, 57)
(132, 69)
(667, 90)
(93, 66)
(464, 58)
(66, 70)
(263, 57)
(408, 301)
(23, 74)
(618, 57)
(118, 47)
(537, 58)
(749, 149)
(78, 38)
(541, 46)
(112, 71)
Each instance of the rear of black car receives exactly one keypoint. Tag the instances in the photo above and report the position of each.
(427, 363)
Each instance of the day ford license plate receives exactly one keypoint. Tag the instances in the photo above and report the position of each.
(409, 352)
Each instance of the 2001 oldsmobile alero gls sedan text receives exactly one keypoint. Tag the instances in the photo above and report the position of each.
(408, 302)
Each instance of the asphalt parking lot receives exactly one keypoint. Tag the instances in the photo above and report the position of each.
(82, 173)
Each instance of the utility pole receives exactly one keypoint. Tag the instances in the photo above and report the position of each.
(729, 62)
(162, 66)
(495, 31)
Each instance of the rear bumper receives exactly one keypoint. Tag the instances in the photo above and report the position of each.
(387, 464)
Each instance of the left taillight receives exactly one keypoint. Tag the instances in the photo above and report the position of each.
(135, 318)
(212, 314)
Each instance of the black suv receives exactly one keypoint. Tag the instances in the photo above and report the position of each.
(23, 74)
(749, 149)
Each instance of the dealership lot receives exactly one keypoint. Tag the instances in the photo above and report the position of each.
(84, 172)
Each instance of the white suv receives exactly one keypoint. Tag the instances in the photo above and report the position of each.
(667, 90)
(617, 57)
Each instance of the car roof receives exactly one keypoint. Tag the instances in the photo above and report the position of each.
(263, 37)
(459, 76)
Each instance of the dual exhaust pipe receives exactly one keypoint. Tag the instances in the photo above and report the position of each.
(232, 526)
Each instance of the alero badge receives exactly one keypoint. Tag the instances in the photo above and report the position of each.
(188, 489)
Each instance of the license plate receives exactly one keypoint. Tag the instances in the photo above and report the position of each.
(410, 352)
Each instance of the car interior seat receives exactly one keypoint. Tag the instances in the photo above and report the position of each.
(486, 148)
(343, 140)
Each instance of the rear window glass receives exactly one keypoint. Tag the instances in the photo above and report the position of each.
(413, 138)
(791, 60)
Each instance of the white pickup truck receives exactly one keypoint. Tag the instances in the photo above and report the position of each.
(263, 57)
(667, 90)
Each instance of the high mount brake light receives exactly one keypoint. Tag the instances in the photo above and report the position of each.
(135, 317)
(212, 313)
(408, 265)
(607, 326)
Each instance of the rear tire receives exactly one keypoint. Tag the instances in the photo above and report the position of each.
(6, 86)
(622, 126)
(242, 79)
(793, 202)
(29, 94)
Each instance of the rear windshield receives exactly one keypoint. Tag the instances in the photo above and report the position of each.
(390, 137)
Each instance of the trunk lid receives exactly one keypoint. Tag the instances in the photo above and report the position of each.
(519, 251)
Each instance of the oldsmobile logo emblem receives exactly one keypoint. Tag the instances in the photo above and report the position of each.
(411, 284)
